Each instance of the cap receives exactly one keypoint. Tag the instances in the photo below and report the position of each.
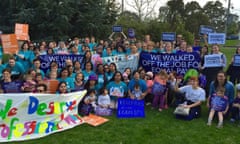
(93, 77)
(150, 74)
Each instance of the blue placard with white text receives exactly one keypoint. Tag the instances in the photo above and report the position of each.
(117, 29)
(236, 60)
(129, 108)
(216, 38)
(168, 36)
(206, 30)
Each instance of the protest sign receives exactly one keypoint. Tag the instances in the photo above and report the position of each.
(218, 103)
(236, 60)
(12, 87)
(206, 30)
(216, 38)
(52, 86)
(21, 31)
(46, 60)
(169, 62)
(168, 36)
(94, 120)
(30, 116)
(213, 60)
(129, 108)
(117, 29)
(122, 62)
(9, 43)
(131, 33)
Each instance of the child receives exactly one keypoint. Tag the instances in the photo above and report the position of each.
(236, 106)
(104, 99)
(159, 90)
(88, 103)
(29, 84)
(219, 104)
(149, 97)
(137, 91)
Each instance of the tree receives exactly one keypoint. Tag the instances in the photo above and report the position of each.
(143, 8)
(216, 14)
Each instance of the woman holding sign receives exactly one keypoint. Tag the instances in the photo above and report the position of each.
(234, 68)
(213, 63)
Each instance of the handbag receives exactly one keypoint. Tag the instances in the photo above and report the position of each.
(180, 110)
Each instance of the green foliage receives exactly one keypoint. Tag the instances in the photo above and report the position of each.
(59, 20)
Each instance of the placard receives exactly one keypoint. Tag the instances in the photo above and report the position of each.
(21, 31)
(94, 120)
(9, 43)
(216, 38)
(117, 29)
(131, 33)
(206, 30)
(213, 60)
(52, 86)
(236, 60)
(168, 36)
(219, 103)
(129, 108)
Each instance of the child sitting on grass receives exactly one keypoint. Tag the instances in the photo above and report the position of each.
(219, 104)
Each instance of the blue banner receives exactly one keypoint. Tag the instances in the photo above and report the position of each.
(170, 62)
(117, 28)
(128, 108)
(168, 36)
(46, 60)
(206, 30)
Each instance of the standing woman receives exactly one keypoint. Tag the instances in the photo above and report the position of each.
(25, 56)
(211, 72)
(117, 88)
(234, 70)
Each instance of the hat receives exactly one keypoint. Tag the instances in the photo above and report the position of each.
(93, 77)
(150, 74)
(125, 74)
(238, 87)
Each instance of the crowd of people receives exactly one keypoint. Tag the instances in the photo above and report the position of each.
(105, 84)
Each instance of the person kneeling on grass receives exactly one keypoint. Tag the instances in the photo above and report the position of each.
(219, 104)
(194, 95)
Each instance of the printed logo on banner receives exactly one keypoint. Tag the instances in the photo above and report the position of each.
(168, 36)
(128, 108)
(216, 38)
(236, 60)
(213, 60)
(117, 29)
(205, 30)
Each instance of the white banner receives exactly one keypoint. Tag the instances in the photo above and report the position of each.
(30, 116)
(213, 60)
(123, 61)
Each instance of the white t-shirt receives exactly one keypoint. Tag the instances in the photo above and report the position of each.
(193, 95)
(104, 100)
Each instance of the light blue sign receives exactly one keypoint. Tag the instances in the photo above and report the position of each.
(216, 38)
(168, 36)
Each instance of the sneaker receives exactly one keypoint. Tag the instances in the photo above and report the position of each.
(148, 103)
(220, 125)
(209, 123)
(159, 109)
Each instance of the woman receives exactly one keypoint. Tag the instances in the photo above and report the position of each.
(194, 96)
(117, 88)
(112, 70)
(222, 82)
(88, 70)
(62, 88)
(141, 82)
(211, 72)
(102, 79)
(25, 56)
(79, 82)
(64, 77)
(234, 69)
(92, 83)
(77, 67)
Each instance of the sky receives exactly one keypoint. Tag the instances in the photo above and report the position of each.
(235, 4)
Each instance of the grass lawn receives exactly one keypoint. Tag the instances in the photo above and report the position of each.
(156, 127)
(232, 42)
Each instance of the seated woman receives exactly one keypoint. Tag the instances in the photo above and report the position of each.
(194, 95)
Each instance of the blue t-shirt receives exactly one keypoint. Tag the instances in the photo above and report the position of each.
(117, 89)
(141, 83)
(218, 103)
(69, 81)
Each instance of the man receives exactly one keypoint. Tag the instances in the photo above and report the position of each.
(17, 69)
